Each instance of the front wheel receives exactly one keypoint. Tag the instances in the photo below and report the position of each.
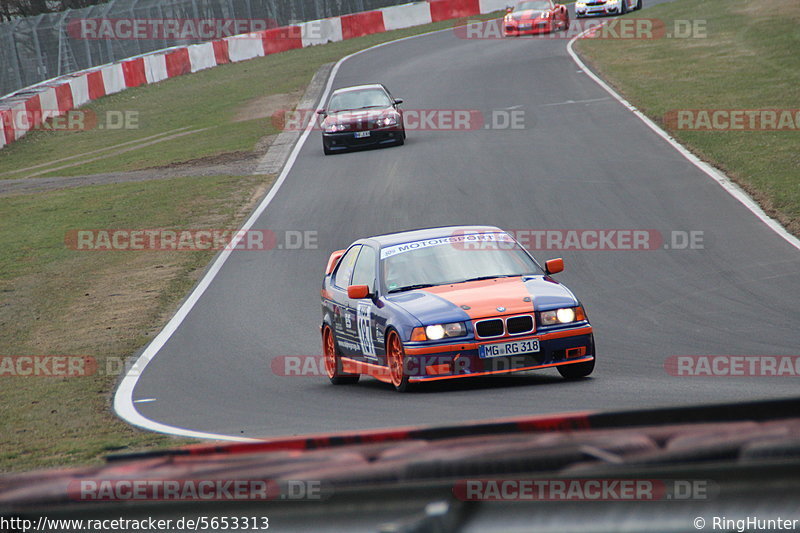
(333, 363)
(638, 5)
(327, 150)
(576, 370)
(395, 357)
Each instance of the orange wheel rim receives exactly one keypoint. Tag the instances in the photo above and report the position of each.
(330, 353)
(395, 360)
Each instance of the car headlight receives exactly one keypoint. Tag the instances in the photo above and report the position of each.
(436, 332)
(565, 315)
(580, 5)
(387, 121)
(333, 128)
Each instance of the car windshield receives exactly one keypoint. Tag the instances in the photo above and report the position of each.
(426, 265)
(361, 99)
(538, 5)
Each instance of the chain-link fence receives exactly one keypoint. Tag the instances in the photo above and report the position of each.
(38, 48)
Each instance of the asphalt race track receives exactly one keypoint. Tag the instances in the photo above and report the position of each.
(583, 161)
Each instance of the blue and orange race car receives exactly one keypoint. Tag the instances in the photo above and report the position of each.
(447, 303)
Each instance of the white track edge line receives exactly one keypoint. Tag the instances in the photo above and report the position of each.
(123, 397)
(732, 188)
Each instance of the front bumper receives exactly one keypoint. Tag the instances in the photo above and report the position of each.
(348, 139)
(459, 360)
(595, 11)
(536, 27)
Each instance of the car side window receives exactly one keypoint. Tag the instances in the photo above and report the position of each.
(364, 271)
(345, 269)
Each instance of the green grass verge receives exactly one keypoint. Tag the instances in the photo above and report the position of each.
(748, 59)
(208, 100)
(105, 305)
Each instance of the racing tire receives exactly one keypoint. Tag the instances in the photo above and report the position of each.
(402, 140)
(623, 8)
(327, 150)
(395, 358)
(576, 370)
(333, 362)
(638, 5)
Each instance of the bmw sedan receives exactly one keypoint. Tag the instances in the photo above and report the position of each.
(360, 116)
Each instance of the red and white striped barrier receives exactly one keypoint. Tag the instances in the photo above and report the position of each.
(24, 110)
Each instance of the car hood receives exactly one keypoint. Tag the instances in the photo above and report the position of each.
(359, 115)
(645, 444)
(527, 14)
(480, 299)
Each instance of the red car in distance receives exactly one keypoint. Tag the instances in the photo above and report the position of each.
(535, 16)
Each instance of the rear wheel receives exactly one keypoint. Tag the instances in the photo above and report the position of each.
(623, 8)
(576, 370)
(395, 357)
(333, 363)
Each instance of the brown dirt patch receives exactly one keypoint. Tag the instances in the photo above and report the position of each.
(266, 106)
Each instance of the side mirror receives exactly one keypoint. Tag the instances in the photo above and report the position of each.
(398, 101)
(357, 292)
(320, 111)
(509, 9)
(554, 266)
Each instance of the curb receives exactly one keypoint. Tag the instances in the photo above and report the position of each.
(278, 153)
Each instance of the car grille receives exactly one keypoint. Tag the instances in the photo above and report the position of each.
(599, 3)
(519, 324)
(490, 328)
(497, 327)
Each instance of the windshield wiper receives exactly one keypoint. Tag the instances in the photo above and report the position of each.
(481, 278)
(412, 287)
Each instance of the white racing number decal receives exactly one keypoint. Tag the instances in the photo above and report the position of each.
(365, 331)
